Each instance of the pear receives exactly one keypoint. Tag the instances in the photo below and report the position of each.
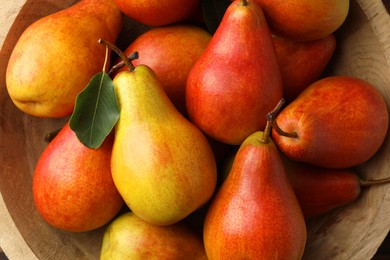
(320, 190)
(302, 63)
(237, 79)
(159, 12)
(72, 185)
(255, 214)
(337, 122)
(305, 20)
(162, 164)
(56, 56)
(129, 237)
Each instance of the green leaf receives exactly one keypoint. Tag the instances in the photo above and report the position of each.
(213, 11)
(96, 111)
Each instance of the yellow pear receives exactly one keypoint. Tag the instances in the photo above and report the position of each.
(162, 164)
(129, 237)
(56, 56)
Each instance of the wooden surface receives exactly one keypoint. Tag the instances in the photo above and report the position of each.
(353, 232)
(11, 241)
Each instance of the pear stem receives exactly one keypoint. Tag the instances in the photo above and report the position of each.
(125, 59)
(367, 183)
(266, 133)
(271, 117)
(116, 67)
(282, 132)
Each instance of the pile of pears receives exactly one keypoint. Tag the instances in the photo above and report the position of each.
(227, 141)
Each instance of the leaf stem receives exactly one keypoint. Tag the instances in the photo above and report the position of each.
(126, 60)
(105, 60)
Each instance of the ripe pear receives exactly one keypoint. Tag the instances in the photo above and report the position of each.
(129, 237)
(72, 185)
(302, 63)
(255, 214)
(171, 64)
(304, 20)
(162, 164)
(337, 122)
(320, 190)
(56, 56)
(237, 80)
(158, 12)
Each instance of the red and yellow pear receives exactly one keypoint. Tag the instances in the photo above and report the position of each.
(255, 214)
(337, 122)
(56, 56)
(162, 164)
(72, 184)
(129, 237)
(236, 81)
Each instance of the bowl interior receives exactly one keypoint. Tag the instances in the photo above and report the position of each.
(351, 232)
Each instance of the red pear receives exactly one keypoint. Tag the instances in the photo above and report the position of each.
(302, 63)
(305, 20)
(255, 214)
(337, 122)
(236, 81)
(320, 190)
(158, 12)
(72, 184)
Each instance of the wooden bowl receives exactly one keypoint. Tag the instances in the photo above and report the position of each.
(352, 232)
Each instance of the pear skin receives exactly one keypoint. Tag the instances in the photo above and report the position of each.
(171, 64)
(237, 80)
(129, 237)
(72, 185)
(340, 122)
(304, 20)
(158, 12)
(302, 63)
(162, 164)
(56, 56)
(255, 214)
(320, 190)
